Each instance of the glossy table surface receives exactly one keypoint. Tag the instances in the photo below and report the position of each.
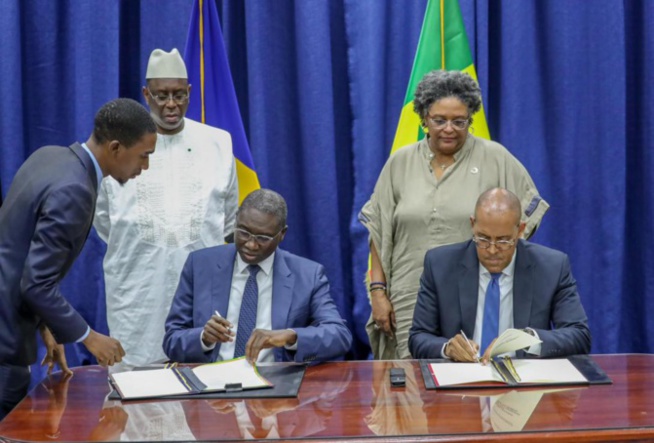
(350, 401)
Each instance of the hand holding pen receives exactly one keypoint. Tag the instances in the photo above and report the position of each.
(217, 329)
(474, 349)
(459, 348)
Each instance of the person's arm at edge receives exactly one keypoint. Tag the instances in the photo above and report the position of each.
(61, 225)
(327, 336)
(382, 308)
(231, 204)
(182, 341)
(571, 334)
(518, 181)
(424, 336)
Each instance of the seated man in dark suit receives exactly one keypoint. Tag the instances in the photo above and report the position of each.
(254, 299)
(494, 282)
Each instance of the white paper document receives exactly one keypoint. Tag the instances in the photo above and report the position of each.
(150, 383)
(511, 412)
(174, 381)
(512, 340)
(217, 375)
(530, 371)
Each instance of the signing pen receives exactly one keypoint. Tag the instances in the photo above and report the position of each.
(220, 316)
(470, 344)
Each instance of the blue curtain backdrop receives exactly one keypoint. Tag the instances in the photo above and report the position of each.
(320, 85)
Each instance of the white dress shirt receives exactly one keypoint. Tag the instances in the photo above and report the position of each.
(264, 305)
(506, 303)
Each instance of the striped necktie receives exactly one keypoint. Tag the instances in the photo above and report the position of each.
(247, 318)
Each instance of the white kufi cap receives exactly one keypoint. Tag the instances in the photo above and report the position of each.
(164, 64)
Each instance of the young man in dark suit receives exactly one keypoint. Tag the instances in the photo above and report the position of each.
(44, 222)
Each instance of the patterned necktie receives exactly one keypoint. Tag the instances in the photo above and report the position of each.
(247, 318)
(491, 323)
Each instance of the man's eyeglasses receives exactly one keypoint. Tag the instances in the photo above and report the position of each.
(440, 123)
(245, 236)
(501, 245)
(162, 98)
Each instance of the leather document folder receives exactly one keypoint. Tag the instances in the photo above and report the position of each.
(285, 381)
(575, 370)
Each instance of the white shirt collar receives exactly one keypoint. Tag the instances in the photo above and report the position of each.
(506, 271)
(265, 265)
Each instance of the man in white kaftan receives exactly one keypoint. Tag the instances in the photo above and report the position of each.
(187, 200)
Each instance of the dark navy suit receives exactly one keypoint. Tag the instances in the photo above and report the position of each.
(300, 301)
(44, 222)
(545, 298)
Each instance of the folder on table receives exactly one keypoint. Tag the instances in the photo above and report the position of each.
(506, 372)
(223, 376)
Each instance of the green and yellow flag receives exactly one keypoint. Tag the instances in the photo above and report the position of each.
(443, 44)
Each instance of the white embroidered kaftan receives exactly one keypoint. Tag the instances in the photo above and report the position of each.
(185, 201)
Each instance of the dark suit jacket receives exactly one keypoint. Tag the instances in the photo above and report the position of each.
(300, 301)
(545, 298)
(44, 222)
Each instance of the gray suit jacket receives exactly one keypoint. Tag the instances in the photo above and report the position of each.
(545, 298)
(44, 222)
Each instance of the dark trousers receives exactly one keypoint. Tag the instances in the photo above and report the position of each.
(14, 382)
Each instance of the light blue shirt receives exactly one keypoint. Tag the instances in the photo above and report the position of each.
(98, 171)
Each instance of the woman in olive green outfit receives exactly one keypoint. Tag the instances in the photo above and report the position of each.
(424, 198)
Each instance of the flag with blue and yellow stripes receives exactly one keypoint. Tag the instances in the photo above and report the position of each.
(213, 98)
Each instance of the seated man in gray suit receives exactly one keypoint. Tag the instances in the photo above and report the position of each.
(252, 299)
(494, 282)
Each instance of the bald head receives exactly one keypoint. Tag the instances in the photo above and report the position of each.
(497, 201)
(496, 228)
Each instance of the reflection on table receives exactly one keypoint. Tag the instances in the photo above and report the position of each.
(347, 400)
(402, 411)
(304, 416)
(44, 415)
(397, 411)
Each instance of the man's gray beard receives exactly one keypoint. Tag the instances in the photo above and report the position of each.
(167, 126)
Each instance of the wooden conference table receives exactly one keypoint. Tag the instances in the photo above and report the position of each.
(348, 401)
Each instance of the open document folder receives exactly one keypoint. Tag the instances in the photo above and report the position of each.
(574, 370)
(507, 371)
(504, 370)
(236, 374)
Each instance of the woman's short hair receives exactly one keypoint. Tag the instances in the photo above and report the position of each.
(436, 85)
